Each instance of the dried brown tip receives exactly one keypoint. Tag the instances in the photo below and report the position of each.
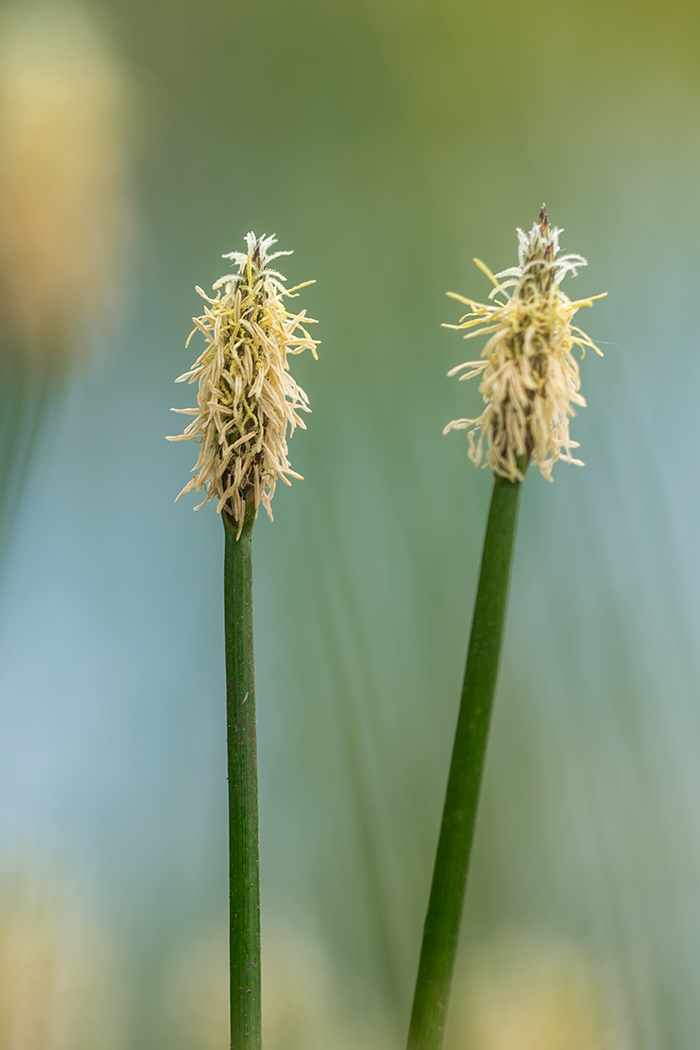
(544, 221)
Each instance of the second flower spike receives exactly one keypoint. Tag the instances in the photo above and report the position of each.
(530, 378)
(247, 401)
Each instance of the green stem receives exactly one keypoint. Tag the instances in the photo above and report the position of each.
(441, 931)
(244, 865)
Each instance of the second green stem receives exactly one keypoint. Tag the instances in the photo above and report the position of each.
(441, 931)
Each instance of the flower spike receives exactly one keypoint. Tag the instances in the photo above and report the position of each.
(247, 400)
(530, 378)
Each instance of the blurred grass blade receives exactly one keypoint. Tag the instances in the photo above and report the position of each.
(25, 401)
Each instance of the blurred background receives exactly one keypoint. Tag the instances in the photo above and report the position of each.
(387, 142)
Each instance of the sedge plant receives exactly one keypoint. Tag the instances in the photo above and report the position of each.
(248, 402)
(530, 384)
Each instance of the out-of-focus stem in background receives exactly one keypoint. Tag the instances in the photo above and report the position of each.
(62, 217)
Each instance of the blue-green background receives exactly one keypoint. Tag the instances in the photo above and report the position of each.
(387, 142)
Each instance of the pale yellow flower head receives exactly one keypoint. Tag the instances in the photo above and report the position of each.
(530, 378)
(248, 401)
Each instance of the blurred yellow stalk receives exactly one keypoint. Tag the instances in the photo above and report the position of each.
(532, 996)
(62, 217)
(62, 181)
(57, 987)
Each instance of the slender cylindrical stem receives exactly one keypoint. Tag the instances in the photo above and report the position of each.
(244, 867)
(442, 923)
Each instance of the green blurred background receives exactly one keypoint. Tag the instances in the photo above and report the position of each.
(387, 142)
